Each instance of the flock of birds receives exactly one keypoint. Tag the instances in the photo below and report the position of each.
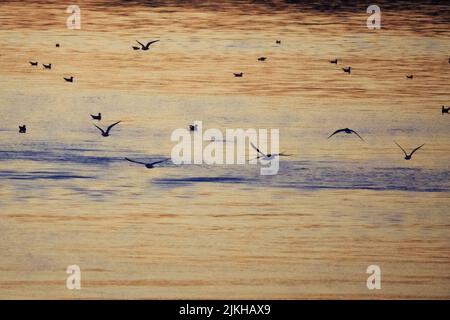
(445, 109)
(48, 66)
(408, 156)
(193, 127)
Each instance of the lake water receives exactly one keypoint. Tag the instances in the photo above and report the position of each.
(68, 197)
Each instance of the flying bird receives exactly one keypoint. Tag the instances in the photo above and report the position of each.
(106, 133)
(348, 70)
(238, 75)
(97, 117)
(135, 48)
(262, 58)
(34, 63)
(193, 127)
(409, 76)
(147, 46)
(408, 156)
(334, 61)
(22, 129)
(150, 165)
(69, 79)
(269, 156)
(47, 66)
(346, 130)
(445, 109)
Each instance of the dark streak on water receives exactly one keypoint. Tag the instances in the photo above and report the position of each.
(298, 176)
(53, 157)
(292, 174)
(194, 180)
(38, 176)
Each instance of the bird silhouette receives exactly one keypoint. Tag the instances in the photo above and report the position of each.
(150, 165)
(278, 42)
(22, 129)
(347, 131)
(34, 63)
(238, 75)
(106, 133)
(97, 117)
(193, 127)
(409, 76)
(47, 66)
(262, 58)
(335, 61)
(269, 156)
(147, 46)
(445, 109)
(408, 156)
(69, 79)
(136, 48)
(348, 70)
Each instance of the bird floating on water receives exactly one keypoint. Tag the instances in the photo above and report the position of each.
(150, 165)
(97, 117)
(106, 133)
(238, 75)
(278, 42)
(347, 131)
(34, 63)
(408, 156)
(409, 76)
(22, 128)
(47, 66)
(193, 127)
(269, 156)
(348, 70)
(136, 48)
(445, 109)
(262, 58)
(69, 79)
(57, 45)
(335, 61)
(147, 46)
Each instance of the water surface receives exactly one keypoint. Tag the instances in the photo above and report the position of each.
(337, 206)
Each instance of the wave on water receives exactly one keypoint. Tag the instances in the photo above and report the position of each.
(293, 174)
(308, 175)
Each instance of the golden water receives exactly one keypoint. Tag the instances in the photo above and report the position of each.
(337, 206)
